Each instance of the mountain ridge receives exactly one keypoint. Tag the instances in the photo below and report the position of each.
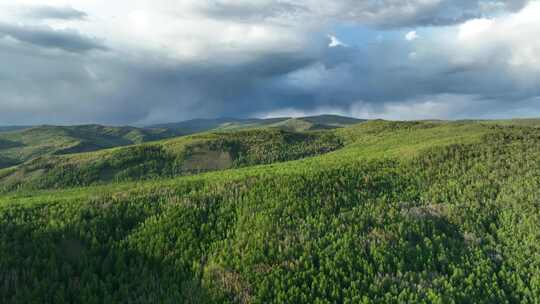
(19, 144)
(229, 123)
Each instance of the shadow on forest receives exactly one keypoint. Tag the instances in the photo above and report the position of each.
(57, 266)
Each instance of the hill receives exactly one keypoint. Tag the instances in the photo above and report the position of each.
(21, 144)
(286, 123)
(179, 156)
(523, 122)
(397, 212)
(12, 128)
(18, 146)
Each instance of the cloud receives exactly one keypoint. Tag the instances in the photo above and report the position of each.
(411, 36)
(46, 37)
(429, 107)
(253, 9)
(481, 68)
(506, 41)
(379, 13)
(335, 42)
(52, 12)
(115, 90)
(168, 60)
(414, 13)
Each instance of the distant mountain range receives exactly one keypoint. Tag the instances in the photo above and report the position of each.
(19, 144)
(287, 123)
(13, 128)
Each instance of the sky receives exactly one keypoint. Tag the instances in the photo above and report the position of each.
(153, 61)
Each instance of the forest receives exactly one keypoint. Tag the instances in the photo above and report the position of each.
(375, 212)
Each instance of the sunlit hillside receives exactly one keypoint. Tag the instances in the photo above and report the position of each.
(388, 212)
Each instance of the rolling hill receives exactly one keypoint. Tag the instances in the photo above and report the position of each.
(174, 157)
(12, 128)
(286, 123)
(378, 212)
(20, 145)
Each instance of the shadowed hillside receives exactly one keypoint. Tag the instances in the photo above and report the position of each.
(285, 123)
(22, 145)
(179, 156)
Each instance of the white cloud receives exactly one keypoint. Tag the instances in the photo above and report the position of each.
(335, 42)
(475, 28)
(169, 29)
(509, 40)
(411, 36)
(198, 29)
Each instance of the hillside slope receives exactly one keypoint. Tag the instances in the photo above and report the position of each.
(22, 145)
(285, 123)
(404, 212)
(168, 158)
(13, 128)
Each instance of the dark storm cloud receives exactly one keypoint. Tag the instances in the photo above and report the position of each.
(126, 87)
(44, 36)
(124, 91)
(209, 90)
(254, 10)
(378, 13)
(381, 74)
(118, 91)
(336, 78)
(414, 13)
(51, 12)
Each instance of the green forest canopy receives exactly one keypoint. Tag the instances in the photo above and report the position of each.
(381, 212)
